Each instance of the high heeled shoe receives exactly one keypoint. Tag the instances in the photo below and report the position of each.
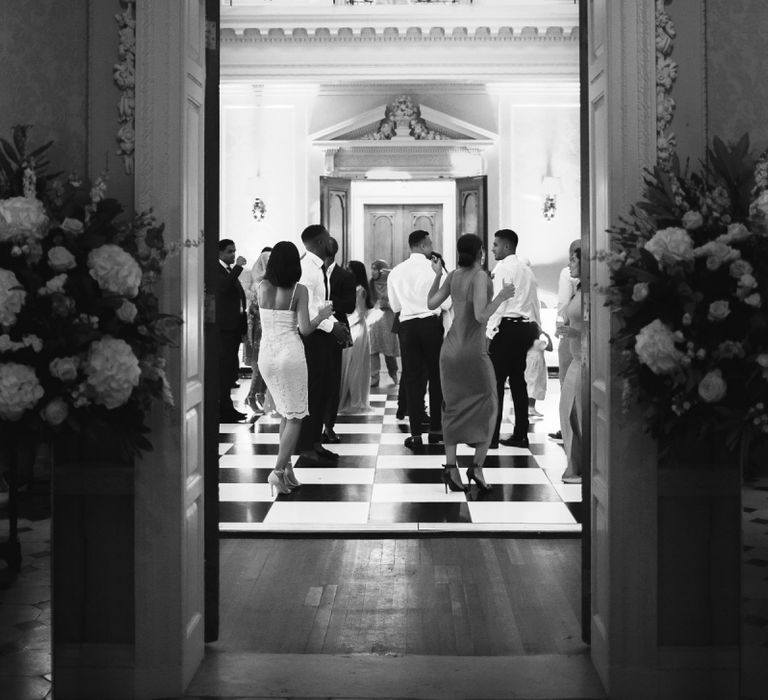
(452, 478)
(276, 481)
(476, 473)
(290, 478)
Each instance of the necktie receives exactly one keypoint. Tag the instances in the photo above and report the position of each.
(229, 268)
(325, 282)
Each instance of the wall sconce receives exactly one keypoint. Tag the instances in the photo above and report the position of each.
(551, 187)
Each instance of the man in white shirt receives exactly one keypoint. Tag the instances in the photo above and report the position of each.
(421, 336)
(512, 329)
(319, 346)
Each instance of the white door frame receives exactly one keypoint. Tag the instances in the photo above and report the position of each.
(170, 81)
(623, 519)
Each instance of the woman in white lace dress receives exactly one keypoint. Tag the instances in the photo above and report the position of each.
(284, 313)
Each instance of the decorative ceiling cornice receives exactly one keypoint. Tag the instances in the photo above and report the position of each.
(462, 34)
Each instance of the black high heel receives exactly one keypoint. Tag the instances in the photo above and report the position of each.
(452, 481)
(480, 481)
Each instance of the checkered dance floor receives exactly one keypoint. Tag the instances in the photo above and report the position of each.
(381, 486)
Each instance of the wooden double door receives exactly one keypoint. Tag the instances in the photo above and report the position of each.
(388, 226)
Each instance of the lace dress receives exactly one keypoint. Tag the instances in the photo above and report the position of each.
(281, 360)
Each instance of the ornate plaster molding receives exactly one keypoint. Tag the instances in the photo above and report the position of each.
(666, 74)
(124, 74)
(412, 34)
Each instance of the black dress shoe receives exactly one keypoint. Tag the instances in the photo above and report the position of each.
(413, 442)
(231, 417)
(326, 454)
(331, 437)
(435, 438)
(515, 442)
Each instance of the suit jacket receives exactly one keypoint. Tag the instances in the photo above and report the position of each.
(341, 288)
(230, 300)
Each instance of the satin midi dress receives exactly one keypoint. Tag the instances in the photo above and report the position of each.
(466, 371)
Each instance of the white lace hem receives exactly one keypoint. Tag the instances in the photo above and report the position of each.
(292, 416)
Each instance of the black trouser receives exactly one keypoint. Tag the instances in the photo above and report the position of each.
(318, 349)
(229, 344)
(332, 404)
(420, 343)
(508, 351)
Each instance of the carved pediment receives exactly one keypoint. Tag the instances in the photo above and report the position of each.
(403, 119)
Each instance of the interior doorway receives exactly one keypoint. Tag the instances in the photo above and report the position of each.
(387, 227)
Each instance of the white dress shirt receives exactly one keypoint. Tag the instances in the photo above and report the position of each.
(312, 278)
(408, 286)
(525, 302)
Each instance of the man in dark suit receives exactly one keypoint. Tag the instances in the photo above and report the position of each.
(341, 285)
(231, 324)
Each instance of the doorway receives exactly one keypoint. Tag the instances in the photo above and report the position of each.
(387, 227)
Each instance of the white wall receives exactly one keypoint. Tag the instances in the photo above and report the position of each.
(267, 131)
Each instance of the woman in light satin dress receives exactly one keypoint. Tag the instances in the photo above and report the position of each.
(466, 371)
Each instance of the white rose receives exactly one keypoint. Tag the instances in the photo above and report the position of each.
(115, 270)
(712, 386)
(55, 285)
(21, 216)
(33, 341)
(640, 291)
(64, 368)
(740, 267)
(11, 297)
(112, 370)
(754, 300)
(760, 205)
(718, 310)
(60, 259)
(692, 220)
(717, 254)
(19, 390)
(670, 246)
(127, 312)
(55, 411)
(735, 233)
(655, 347)
(747, 281)
(72, 225)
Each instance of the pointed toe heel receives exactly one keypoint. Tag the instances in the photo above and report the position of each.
(476, 473)
(452, 478)
(276, 481)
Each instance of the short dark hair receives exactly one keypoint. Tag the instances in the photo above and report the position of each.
(333, 247)
(266, 249)
(507, 234)
(224, 242)
(284, 265)
(417, 237)
(313, 231)
(467, 248)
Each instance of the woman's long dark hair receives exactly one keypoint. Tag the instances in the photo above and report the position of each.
(284, 265)
(467, 247)
(358, 270)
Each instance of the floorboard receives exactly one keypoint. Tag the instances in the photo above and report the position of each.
(425, 596)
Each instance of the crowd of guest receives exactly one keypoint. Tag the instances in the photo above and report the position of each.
(315, 332)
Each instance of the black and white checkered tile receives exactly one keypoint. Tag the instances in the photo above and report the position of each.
(380, 485)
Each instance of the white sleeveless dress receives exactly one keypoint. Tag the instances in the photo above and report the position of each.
(281, 360)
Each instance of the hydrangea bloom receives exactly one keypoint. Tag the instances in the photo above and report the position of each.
(112, 370)
(20, 390)
(115, 270)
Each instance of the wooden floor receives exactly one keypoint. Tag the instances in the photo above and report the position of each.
(433, 596)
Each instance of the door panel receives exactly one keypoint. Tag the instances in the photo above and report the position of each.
(334, 210)
(388, 226)
(471, 207)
